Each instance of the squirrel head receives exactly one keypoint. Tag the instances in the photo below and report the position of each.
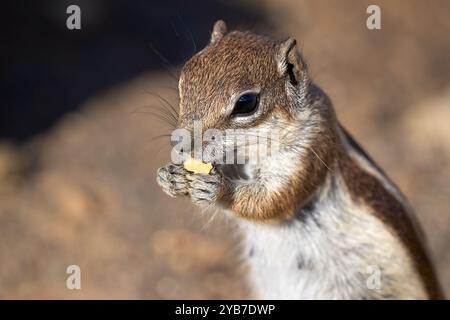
(251, 83)
(240, 80)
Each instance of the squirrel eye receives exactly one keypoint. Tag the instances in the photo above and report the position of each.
(246, 105)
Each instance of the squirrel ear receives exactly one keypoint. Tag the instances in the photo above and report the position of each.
(219, 30)
(289, 62)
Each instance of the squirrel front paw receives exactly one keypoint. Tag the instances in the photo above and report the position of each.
(173, 180)
(205, 189)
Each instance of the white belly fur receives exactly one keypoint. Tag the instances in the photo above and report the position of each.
(329, 258)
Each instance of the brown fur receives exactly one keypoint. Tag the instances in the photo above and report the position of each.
(365, 188)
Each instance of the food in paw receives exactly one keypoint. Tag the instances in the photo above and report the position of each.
(196, 166)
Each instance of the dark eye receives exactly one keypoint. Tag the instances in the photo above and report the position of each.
(246, 105)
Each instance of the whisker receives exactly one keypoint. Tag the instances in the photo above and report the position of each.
(164, 100)
(188, 32)
(162, 110)
(326, 166)
(165, 105)
(159, 147)
(208, 223)
(160, 136)
(175, 89)
(161, 117)
(165, 62)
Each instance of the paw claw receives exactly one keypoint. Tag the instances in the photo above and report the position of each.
(205, 189)
(172, 179)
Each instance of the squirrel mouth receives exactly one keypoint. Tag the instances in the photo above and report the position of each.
(234, 171)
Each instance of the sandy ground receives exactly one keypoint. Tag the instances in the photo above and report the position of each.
(84, 192)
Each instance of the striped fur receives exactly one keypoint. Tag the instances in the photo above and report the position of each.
(315, 216)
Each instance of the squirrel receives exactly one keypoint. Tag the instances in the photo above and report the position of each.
(318, 217)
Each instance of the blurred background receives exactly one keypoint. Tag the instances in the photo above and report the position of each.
(79, 147)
